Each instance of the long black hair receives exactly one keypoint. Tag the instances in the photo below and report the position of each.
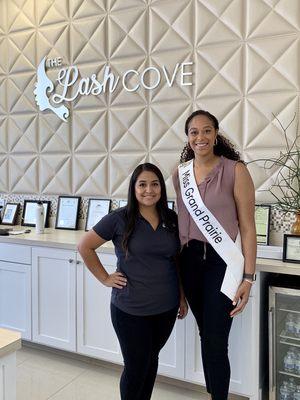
(223, 147)
(132, 209)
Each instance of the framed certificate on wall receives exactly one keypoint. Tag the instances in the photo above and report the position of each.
(97, 209)
(171, 204)
(262, 223)
(67, 212)
(29, 209)
(10, 213)
(122, 203)
(291, 248)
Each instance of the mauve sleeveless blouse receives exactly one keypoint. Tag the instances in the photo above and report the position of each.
(217, 194)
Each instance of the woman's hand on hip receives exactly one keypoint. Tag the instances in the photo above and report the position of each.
(183, 308)
(241, 298)
(116, 280)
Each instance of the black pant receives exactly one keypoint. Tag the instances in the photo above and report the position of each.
(141, 339)
(202, 276)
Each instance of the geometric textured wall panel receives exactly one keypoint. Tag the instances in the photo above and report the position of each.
(55, 11)
(53, 41)
(3, 21)
(3, 136)
(3, 50)
(3, 174)
(89, 176)
(245, 57)
(21, 51)
(22, 133)
(23, 174)
(54, 174)
(20, 15)
(54, 135)
(19, 93)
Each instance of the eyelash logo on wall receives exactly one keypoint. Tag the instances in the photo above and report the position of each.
(47, 98)
(43, 87)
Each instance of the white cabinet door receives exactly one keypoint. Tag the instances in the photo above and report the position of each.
(15, 297)
(241, 349)
(241, 352)
(95, 334)
(171, 358)
(54, 297)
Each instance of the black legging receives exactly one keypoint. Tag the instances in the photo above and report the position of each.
(202, 280)
(141, 339)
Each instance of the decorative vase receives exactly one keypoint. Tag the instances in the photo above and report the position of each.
(296, 225)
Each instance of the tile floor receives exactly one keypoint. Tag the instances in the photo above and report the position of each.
(44, 375)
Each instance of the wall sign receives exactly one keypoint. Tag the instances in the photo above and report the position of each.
(130, 80)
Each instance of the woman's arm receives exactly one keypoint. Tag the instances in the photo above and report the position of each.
(244, 195)
(87, 248)
(183, 306)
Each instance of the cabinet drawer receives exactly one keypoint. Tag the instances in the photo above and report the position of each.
(15, 253)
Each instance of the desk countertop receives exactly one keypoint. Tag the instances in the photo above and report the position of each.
(10, 341)
(58, 238)
(68, 239)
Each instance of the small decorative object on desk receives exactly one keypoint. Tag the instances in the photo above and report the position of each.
(286, 187)
(19, 232)
(1, 207)
(296, 225)
(39, 217)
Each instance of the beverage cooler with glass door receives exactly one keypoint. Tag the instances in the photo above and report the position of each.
(284, 343)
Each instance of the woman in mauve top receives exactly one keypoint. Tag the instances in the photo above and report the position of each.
(146, 295)
(227, 191)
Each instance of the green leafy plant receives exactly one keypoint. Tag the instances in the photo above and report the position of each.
(286, 186)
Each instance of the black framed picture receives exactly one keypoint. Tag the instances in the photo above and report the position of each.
(67, 212)
(10, 213)
(122, 203)
(171, 204)
(291, 248)
(262, 223)
(97, 209)
(1, 207)
(29, 209)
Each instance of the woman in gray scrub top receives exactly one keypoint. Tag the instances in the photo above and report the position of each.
(146, 294)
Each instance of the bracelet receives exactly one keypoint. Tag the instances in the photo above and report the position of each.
(250, 276)
(248, 280)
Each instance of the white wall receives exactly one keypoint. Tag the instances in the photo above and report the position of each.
(246, 67)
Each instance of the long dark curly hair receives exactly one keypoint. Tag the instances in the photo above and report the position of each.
(223, 147)
(167, 217)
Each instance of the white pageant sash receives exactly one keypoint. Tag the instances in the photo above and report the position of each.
(211, 228)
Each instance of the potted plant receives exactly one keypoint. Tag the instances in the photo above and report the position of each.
(286, 186)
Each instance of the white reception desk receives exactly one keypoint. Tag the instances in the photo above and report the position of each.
(10, 342)
(58, 303)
